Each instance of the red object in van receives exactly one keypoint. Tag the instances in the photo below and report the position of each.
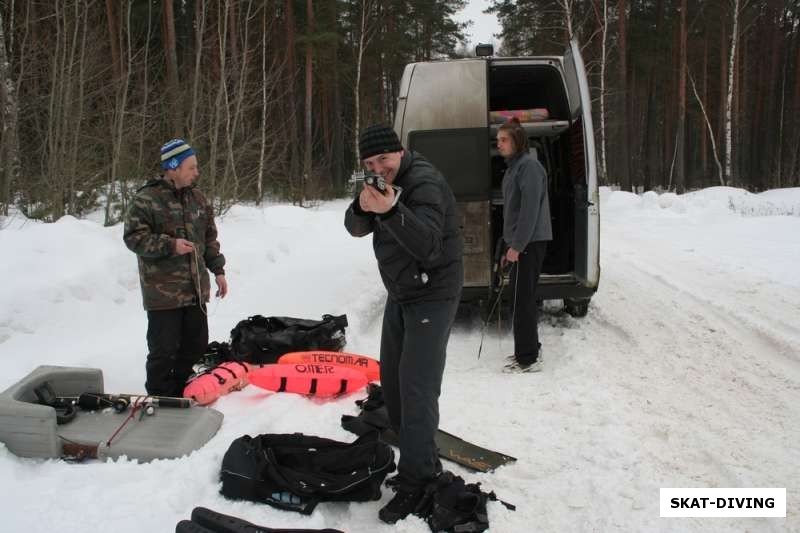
(523, 115)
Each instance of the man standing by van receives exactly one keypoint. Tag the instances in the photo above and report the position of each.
(170, 227)
(418, 245)
(526, 231)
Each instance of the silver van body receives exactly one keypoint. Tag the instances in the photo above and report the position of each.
(443, 112)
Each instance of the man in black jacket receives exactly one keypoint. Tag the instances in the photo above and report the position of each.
(418, 245)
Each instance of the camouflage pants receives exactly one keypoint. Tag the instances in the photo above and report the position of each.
(176, 339)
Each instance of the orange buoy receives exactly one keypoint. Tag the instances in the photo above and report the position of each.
(307, 378)
(220, 380)
(366, 365)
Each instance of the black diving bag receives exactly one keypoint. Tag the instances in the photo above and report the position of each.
(295, 472)
(262, 340)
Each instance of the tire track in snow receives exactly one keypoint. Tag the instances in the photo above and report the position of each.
(720, 408)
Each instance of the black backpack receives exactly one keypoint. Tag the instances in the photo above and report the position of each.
(262, 340)
(296, 471)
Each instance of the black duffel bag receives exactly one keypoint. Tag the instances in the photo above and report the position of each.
(295, 471)
(262, 340)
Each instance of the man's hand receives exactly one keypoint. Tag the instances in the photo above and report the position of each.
(182, 246)
(222, 286)
(371, 199)
(512, 256)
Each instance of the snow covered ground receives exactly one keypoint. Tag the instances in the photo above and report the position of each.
(685, 373)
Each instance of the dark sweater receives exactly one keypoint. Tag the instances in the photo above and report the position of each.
(526, 207)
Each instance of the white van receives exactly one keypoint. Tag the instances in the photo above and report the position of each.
(444, 111)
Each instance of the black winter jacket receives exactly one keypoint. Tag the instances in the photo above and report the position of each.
(418, 243)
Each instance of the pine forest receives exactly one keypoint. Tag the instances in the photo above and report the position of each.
(273, 93)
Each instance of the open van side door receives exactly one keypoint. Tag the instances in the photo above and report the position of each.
(587, 201)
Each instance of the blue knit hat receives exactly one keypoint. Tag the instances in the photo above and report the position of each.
(174, 152)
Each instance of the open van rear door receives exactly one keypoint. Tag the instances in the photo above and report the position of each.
(587, 201)
(448, 126)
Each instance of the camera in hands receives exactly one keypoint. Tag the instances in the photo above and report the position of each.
(376, 181)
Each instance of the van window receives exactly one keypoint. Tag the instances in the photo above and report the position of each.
(515, 86)
(461, 155)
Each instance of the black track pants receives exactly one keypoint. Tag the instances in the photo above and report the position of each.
(524, 279)
(176, 339)
(413, 349)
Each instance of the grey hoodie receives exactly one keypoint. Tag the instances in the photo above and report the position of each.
(526, 207)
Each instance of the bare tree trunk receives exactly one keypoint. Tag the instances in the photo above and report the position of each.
(338, 132)
(113, 38)
(363, 41)
(738, 131)
(308, 101)
(680, 175)
(119, 120)
(233, 36)
(795, 141)
(779, 169)
(69, 131)
(56, 109)
(79, 113)
(240, 92)
(14, 182)
(710, 131)
(200, 24)
(652, 141)
(729, 97)
(767, 154)
(294, 158)
(263, 147)
(171, 57)
(603, 57)
(723, 84)
(624, 151)
(145, 85)
(9, 152)
(566, 7)
(703, 138)
(221, 97)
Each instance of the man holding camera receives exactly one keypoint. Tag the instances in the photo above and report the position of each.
(170, 227)
(411, 212)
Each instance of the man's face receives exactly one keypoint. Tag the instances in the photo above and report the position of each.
(505, 144)
(385, 165)
(186, 173)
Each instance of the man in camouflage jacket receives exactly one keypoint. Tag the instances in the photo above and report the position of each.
(170, 227)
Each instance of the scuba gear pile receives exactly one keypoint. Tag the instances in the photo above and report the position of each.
(67, 406)
(451, 504)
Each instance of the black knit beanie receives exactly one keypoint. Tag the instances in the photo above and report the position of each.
(378, 139)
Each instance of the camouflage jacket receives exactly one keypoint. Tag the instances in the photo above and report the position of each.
(158, 214)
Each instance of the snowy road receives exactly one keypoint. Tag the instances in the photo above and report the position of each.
(685, 373)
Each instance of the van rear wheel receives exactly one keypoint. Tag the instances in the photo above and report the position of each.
(577, 307)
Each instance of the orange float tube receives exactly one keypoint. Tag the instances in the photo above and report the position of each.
(368, 366)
